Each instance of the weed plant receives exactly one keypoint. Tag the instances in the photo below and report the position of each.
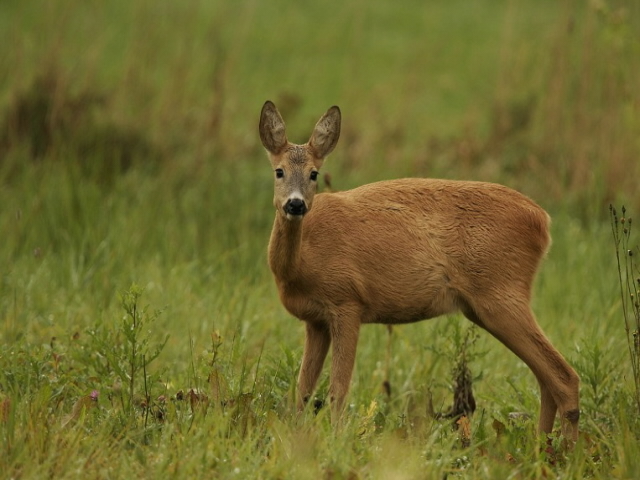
(629, 280)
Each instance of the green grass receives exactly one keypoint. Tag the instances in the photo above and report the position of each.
(129, 154)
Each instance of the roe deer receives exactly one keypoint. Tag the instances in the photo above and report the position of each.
(400, 251)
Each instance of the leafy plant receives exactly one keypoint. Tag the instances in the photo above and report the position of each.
(127, 351)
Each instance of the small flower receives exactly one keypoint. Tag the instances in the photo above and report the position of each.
(94, 395)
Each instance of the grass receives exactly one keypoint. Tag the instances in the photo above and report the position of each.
(129, 155)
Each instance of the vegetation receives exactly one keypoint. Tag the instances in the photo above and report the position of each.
(629, 280)
(140, 330)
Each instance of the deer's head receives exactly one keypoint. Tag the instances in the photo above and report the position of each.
(296, 166)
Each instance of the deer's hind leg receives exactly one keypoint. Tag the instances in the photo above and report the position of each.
(511, 321)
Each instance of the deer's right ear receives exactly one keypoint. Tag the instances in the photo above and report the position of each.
(272, 131)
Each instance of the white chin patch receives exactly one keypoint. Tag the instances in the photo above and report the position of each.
(295, 218)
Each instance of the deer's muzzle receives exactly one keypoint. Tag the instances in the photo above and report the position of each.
(295, 207)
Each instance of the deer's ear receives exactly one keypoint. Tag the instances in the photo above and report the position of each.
(326, 133)
(272, 130)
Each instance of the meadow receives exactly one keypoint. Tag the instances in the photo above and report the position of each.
(141, 334)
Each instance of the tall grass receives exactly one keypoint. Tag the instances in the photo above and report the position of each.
(129, 155)
(542, 96)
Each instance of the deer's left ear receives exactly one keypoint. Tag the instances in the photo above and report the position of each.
(272, 129)
(326, 133)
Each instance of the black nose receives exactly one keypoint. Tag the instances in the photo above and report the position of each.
(295, 206)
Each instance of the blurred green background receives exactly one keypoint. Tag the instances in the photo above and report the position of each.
(540, 95)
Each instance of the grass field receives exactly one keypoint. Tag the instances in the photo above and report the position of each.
(140, 330)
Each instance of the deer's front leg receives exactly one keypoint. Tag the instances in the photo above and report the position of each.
(316, 347)
(344, 334)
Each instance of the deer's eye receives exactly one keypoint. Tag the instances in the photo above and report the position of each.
(313, 176)
(279, 173)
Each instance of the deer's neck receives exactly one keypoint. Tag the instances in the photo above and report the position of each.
(285, 247)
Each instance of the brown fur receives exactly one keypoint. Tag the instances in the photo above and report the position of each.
(401, 251)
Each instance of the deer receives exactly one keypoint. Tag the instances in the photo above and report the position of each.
(401, 251)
